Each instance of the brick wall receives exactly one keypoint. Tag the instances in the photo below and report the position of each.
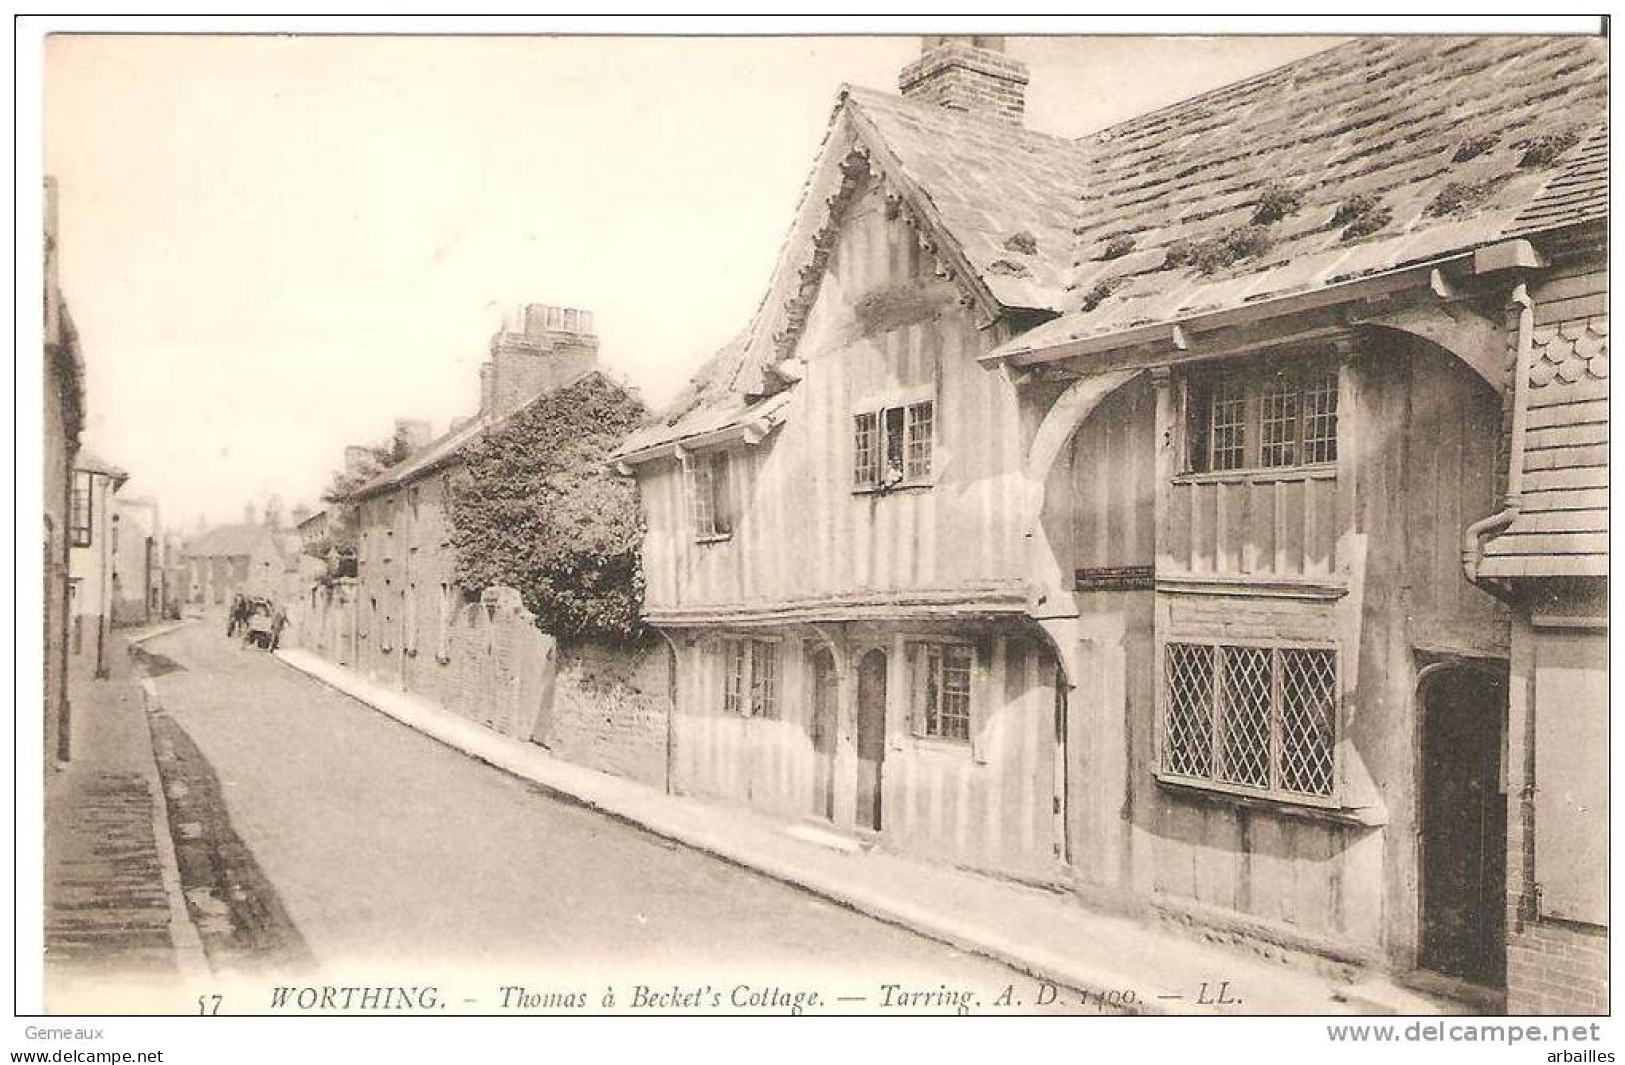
(596, 704)
(525, 367)
(611, 706)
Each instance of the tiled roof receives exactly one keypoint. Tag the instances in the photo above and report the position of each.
(90, 462)
(1006, 195)
(1578, 192)
(444, 449)
(1562, 526)
(1373, 155)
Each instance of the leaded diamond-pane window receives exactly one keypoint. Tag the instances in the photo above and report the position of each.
(1261, 719)
(1308, 720)
(1187, 723)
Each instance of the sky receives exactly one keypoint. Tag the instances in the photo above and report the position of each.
(274, 246)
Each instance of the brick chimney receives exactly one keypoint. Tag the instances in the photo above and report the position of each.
(411, 435)
(970, 74)
(538, 349)
(273, 512)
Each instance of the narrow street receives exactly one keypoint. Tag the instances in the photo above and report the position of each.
(396, 858)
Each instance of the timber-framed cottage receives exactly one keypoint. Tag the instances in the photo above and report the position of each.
(1093, 511)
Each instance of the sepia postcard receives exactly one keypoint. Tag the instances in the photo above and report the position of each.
(717, 520)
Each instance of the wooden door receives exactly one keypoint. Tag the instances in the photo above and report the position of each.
(1463, 827)
(871, 736)
(823, 725)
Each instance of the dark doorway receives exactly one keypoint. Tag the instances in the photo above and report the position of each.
(823, 724)
(871, 736)
(1463, 826)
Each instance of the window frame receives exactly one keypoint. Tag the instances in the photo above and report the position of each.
(873, 442)
(926, 676)
(82, 534)
(1313, 400)
(743, 691)
(1274, 793)
(704, 505)
(442, 650)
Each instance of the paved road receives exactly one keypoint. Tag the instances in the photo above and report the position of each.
(395, 856)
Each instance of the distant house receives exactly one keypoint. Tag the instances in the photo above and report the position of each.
(64, 419)
(1091, 511)
(253, 557)
(91, 536)
(138, 561)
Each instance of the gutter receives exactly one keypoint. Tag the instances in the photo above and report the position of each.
(752, 431)
(1181, 331)
(1473, 537)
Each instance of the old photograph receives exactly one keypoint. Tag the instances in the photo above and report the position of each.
(752, 523)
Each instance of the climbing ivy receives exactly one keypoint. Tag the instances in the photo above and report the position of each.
(540, 509)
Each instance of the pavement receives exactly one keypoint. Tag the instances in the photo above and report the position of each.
(393, 859)
(1047, 935)
(117, 938)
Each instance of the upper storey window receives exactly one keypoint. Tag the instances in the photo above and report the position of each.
(1269, 416)
(892, 446)
(710, 495)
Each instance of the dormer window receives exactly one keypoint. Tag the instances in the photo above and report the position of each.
(1269, 416)
(708, 482)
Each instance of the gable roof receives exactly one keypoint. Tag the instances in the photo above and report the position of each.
(994, 202)
(1377, 154)
(444, 449)
(1006, 195)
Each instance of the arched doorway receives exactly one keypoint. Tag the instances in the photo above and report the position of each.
(824, 692)
(1463, 824)
(871, 736)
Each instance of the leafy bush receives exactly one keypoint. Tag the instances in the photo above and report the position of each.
(541, 511)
